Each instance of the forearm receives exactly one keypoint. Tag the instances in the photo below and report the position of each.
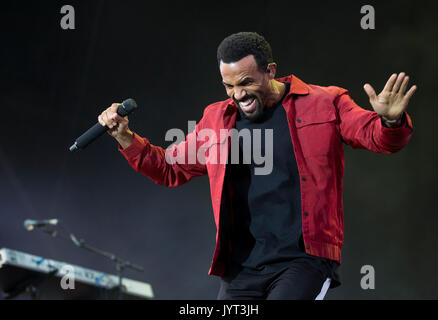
(365, 129)
(151, 161)
(126, 139)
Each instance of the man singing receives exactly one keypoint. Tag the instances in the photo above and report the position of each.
(280, 234)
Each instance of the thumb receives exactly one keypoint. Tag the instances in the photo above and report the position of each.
(370, 91)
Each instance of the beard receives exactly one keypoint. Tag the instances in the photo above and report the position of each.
(256, 114)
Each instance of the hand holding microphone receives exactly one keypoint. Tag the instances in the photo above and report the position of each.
(117, 125)
(114, 120)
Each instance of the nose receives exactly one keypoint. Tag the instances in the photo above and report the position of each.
(239, 94)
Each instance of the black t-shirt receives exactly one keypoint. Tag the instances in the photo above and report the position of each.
(266, 232)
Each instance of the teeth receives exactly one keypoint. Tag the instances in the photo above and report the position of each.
(246, 103)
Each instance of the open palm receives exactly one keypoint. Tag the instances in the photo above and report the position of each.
(392, 101)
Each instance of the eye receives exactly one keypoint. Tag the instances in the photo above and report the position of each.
(246, 83)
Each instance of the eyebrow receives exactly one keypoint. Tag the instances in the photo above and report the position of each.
(247, 79)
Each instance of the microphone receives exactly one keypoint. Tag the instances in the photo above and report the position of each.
(97, 130)
(29, 225)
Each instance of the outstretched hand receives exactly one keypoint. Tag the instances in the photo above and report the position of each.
(392, 101)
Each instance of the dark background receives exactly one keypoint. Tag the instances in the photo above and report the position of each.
(55, 82)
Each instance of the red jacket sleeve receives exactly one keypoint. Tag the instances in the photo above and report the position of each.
(150, 160)
(364, 129)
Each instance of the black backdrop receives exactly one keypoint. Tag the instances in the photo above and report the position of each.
(55, 82)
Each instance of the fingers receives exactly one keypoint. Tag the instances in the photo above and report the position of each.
(110, 118)
(409, 94)
(390, 83)
(398, 82)
(404, 85)
(401, 85)
(370, 91)
(102, 123)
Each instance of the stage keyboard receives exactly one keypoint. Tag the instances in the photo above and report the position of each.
(18, 267)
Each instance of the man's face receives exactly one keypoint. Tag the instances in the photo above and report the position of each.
(247, 85)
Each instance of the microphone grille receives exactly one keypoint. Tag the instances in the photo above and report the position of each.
(127, 107)
(130, 104)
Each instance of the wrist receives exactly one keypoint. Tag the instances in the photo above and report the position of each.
(392, 123)
(125, 139)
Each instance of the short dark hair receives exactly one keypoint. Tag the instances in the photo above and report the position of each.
(239, 45)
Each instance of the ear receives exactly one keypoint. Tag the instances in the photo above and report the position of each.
(271, 70)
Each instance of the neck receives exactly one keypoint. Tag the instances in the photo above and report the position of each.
(277, 92)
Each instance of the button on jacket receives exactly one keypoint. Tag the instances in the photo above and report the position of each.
(320, 119)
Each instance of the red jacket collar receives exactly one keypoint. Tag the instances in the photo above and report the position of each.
(297, 86)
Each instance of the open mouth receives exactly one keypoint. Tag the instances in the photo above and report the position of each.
(248, 105)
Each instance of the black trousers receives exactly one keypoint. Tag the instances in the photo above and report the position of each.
(298, 281)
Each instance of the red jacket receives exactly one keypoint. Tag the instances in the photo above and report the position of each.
(320, 120)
